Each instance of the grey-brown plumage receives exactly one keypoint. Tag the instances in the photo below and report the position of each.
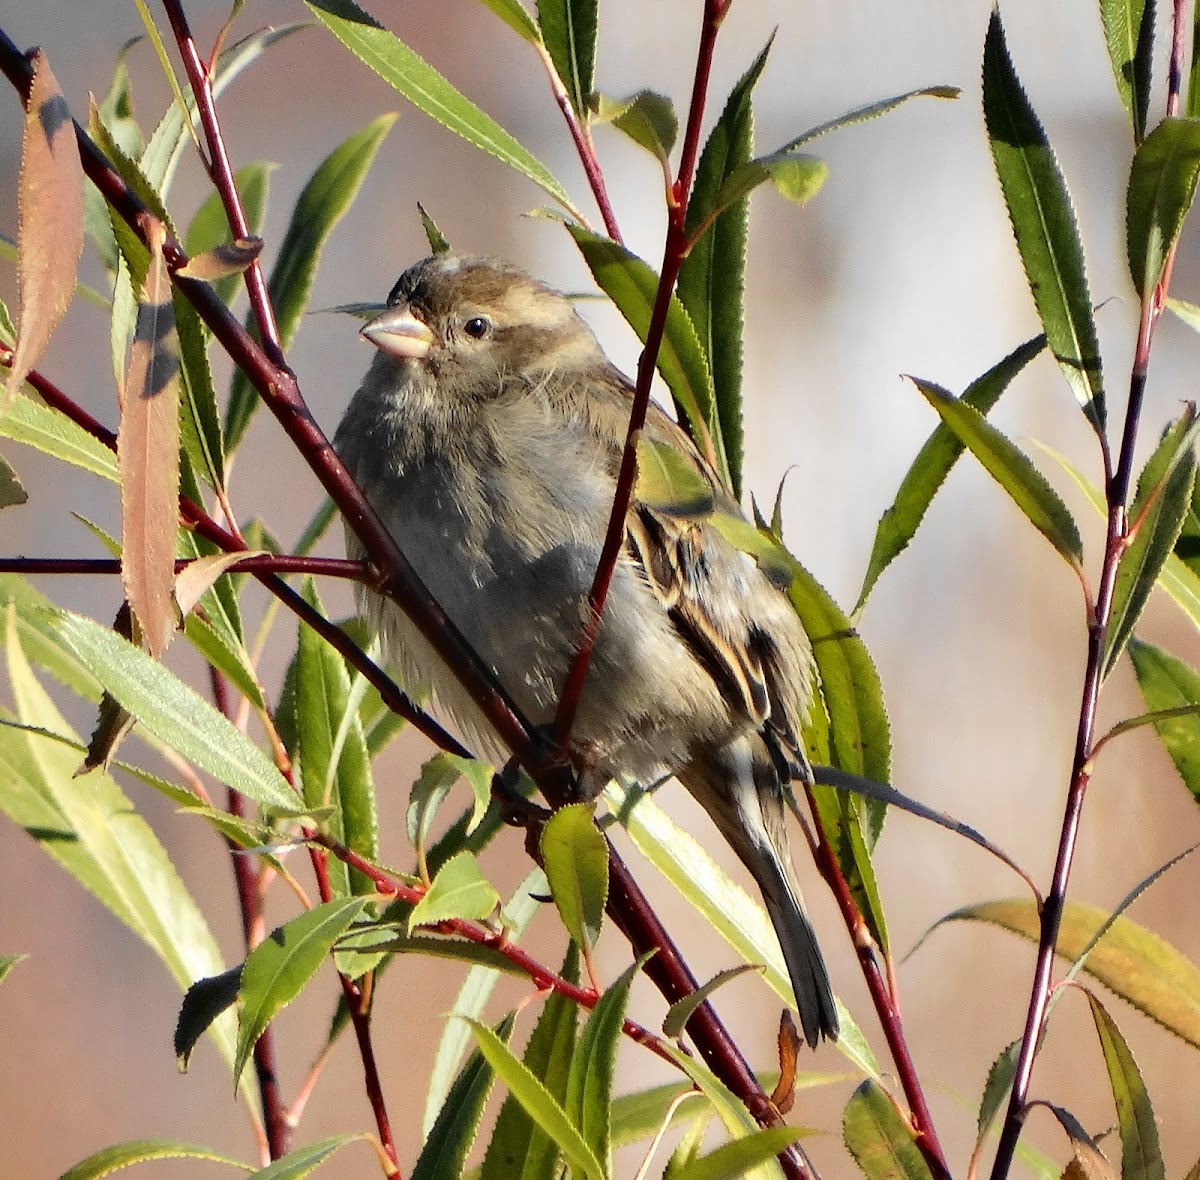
(487, 433)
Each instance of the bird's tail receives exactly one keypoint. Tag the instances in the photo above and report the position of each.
(752, 820)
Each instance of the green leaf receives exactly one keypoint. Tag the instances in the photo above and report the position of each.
(1162, 187)
(1011, 469)
(279, 967)
(11, 491)
(996, 1088)
(731, 1160)
(513, 14)
(90, 827)
(575, 857)
(632, 286)
(648, 118)
(880, 1141)
(536, 1099)
(1043, 222)
(209, 228)
(680, 1012)
(588, 1099)
(796, 177)
(460, 890)
(1141, 1152)
(899, 523)
(473, 997)
(333, 752)
(568, 30)
(712, 280)
(865, 114)
(1129, 34)
(637, 1116)
(437, 776)
(54, 434)
(171, 710)
(1168, 683)
(139, 1151)
(427, 90)
(519, 1149)
(304, 1160)
(668, 481)
(447, 1145)
(434, 236)
(1164, 494)
(7, 963)
(323, 202)
(1134, 963)
(203, 1003)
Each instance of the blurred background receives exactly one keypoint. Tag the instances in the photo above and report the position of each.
(903, 264)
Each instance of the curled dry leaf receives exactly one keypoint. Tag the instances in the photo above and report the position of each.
(49, 219)
(784, 1094)
(229, 258)
(148, 457)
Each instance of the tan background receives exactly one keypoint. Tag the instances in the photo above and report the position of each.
(903, 264)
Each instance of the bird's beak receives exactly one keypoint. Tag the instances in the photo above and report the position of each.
(399, 333)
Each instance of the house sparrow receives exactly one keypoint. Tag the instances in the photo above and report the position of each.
(487, 434)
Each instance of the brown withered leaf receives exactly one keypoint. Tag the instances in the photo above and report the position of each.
(196, 579)
(784, 1094)
(1088, 1162)
(49, 220)
(148, 458)
(229, 258)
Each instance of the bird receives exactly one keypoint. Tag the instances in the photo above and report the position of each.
(487, 434)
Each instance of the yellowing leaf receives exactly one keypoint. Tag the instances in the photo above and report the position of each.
(148, 456)
(49, 219)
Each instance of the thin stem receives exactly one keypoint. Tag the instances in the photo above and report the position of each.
(221, 173)
(258, 563)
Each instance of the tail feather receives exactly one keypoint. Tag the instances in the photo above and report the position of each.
(746, 803)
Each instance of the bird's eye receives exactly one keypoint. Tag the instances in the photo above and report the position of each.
(477, 327)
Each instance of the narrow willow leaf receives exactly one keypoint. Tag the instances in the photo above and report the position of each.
(1141, 1152)
(1089, 1162)
(712, 280)
(996, 1088)
(171, 710)
(449, 1142)
(1162, 187)
(304, 1160)
(648, 118)
(49, 219)
(147, 454)
(1134, 963)
(680, 1012)
(731, 1160)
(575, 858)
(865, 114)
(1044, 225)
(1164, 495)
(322, 203)
(899, 523)
(859, 741)
(568, 29)
(724, 905)
(459, 890)
(428, 91)
(90, 827)
(1168, 683)
(138, 1151)
(514, 14)
(588, 1101)
(333, 752)
(438, 243)
(54, 434)
(428, 793)
(1011, 469)
(209, 228)
(632, 286)
(518, 1147)
(638, 1115)
(278, 968)
(797, 177)
(536, 1099)
(1129, 33)
(12, 493)
(7, 963)
(668, 481)
(472, 999)
(880, 1141)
